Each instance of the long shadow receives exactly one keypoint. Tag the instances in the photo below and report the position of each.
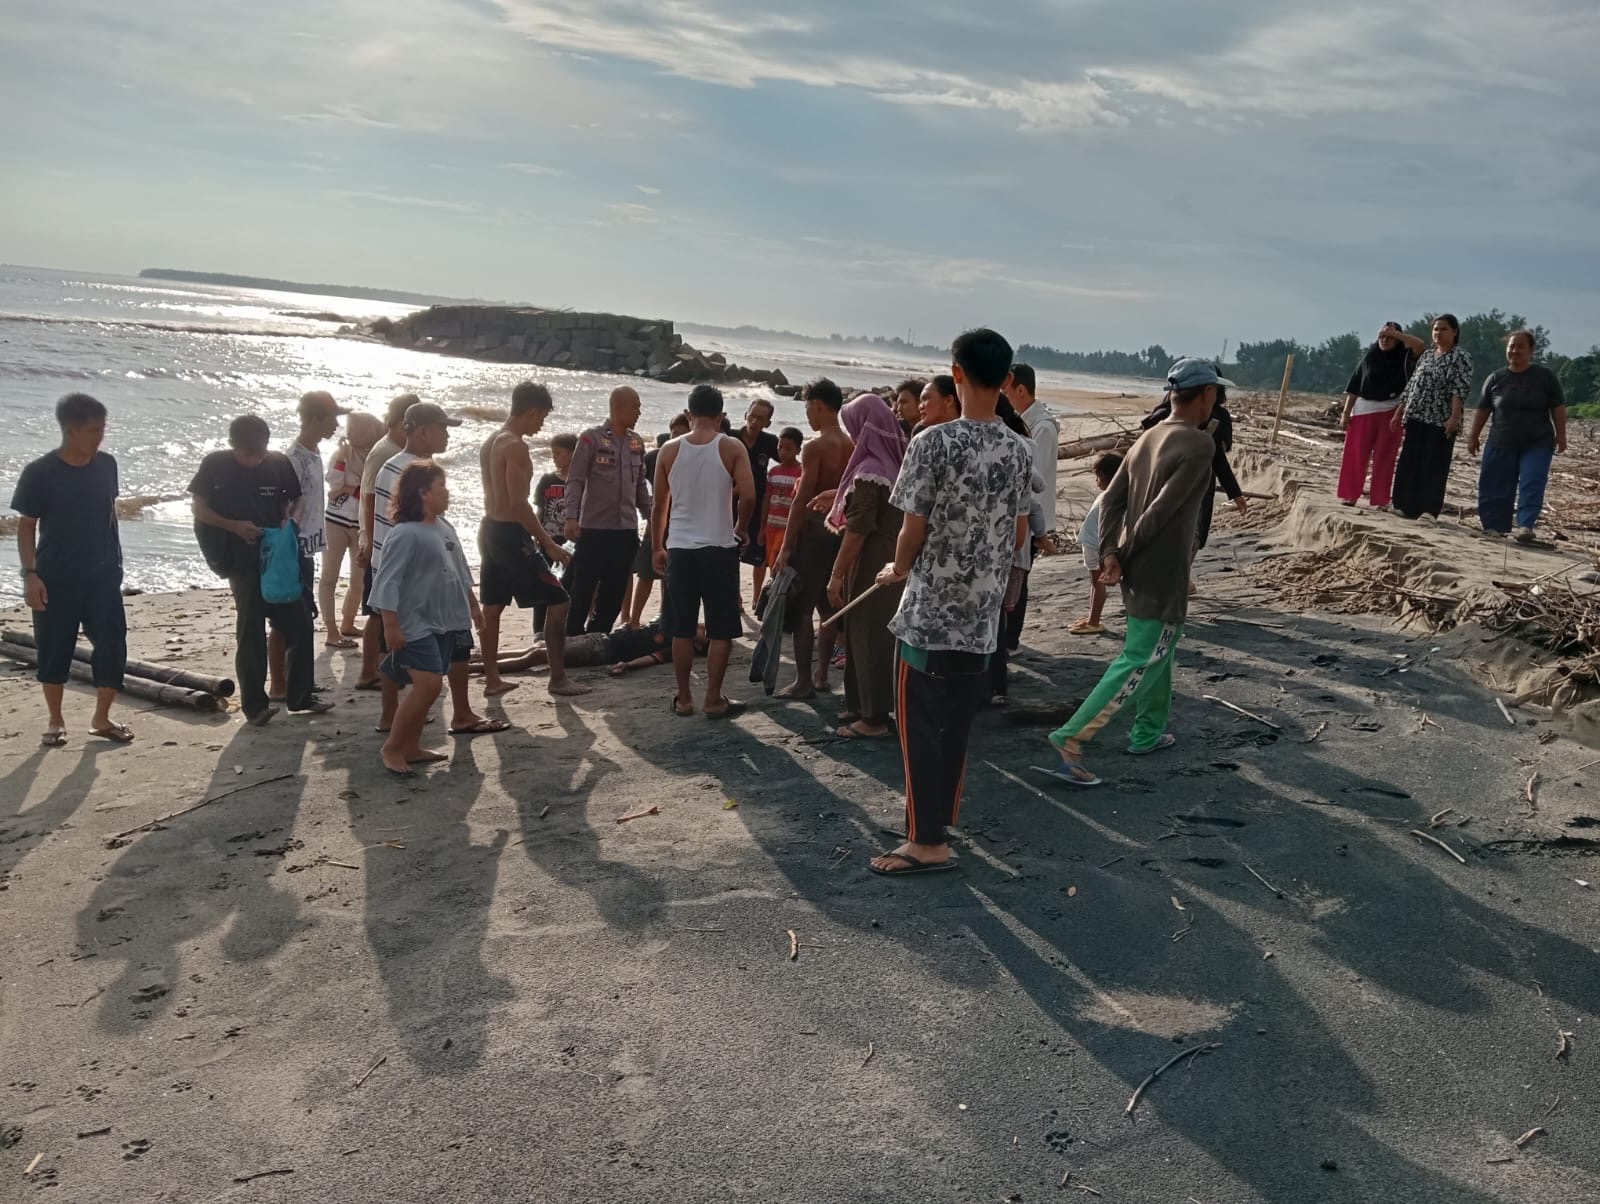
(1080, 974)
(198, 872)
(23, 829)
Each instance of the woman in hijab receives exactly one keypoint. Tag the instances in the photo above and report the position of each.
(1370, 400)
(362, 431)
(1431, 413)
(870, 525)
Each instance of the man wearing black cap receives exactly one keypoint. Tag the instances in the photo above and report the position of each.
(238, 494)
(393, 440)
(427, 429)
(1148, 518)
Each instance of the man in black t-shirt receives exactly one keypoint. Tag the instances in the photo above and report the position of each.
(762, 447)
(238, 494)
(72, 565)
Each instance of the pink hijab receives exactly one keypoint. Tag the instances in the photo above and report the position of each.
(880, 446)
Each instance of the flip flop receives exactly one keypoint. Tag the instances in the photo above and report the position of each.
(117, 733)
(673, 703)
(913, 866)
(484, 727)
(847, 732)
(1084, 627)
(53, 737)
(375, 684)
(1167, 740)
(728, 712)
(341, 642)
(1063, 773)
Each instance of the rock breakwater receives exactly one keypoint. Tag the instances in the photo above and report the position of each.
(584, 342)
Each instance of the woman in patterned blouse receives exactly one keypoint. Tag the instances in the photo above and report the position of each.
(1431, 411)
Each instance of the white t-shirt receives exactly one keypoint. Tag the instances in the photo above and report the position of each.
(1089, 536)
(313, 499)
(383, 486)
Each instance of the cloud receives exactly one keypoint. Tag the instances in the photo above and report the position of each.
(400, 200)
(533, 169)
(647, 190)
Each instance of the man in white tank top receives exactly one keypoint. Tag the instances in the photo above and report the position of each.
(696, 538)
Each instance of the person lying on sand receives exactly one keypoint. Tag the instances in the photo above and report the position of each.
(624, 650)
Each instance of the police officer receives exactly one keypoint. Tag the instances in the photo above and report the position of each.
(608, 492)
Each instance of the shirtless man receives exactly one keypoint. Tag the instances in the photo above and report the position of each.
(808, 545)
(510, 540)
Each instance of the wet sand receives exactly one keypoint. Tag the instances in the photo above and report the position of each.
(478, 985)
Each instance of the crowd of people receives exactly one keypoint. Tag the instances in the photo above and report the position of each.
(1405, 406)
(905, 527)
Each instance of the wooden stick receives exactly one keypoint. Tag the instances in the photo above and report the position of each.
(1530, 791)
(871, 1051)
(652, 809)
(853, 603)
(215, 798)
(1554, 1104)
(1440, 843)
(1506, 713)
(1241, 711)
(166, 675)
(1437, 818)
(37, 1159)
(370, 1069)
(1283, 399)
(286, 1170)
(794, 945)
(1537, 1131)
(1162, 1069)
(134, 687)
(1585, 765)
(1564, 1046)
(1263, 881)
(1321, 727)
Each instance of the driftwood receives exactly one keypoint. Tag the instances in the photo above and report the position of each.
(164, 675)
(1079, 448)
(137, 687)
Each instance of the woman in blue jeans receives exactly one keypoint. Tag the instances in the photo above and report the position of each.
(1530, 426)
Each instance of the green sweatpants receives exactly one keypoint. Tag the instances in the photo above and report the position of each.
(1142, 673)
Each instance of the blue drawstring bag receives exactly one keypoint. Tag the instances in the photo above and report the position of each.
(280, 564)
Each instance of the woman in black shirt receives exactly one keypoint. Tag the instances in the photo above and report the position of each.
(1370, 437)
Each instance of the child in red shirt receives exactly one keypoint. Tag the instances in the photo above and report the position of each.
(782, 481)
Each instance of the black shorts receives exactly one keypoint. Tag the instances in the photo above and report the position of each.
(308, 585)
(366, 590)
(514, 569)
(95, 608)
(644, 563)
(703, 575)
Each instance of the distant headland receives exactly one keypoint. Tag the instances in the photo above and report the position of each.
(228, 280)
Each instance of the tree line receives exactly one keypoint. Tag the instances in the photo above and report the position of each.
(1326, 367)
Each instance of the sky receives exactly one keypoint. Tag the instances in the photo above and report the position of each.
(1081, 173)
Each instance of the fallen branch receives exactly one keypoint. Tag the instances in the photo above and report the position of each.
(370, 1069)
(871, 1051)
(37, 1159)
(1554, 1104)
(1440, 843)
(1564, 1049)
(205, 802)
(652, 809)
(1585, 765)
(1162, 1069)
(794, 946)
(1537, 1131)
(1241, 711)
(1437, 818)
(1321, 727)
(287, 1170)
(1529, 789)
(1262, 880)
(1501, 704)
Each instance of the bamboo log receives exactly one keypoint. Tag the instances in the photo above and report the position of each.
(1095, 443)
(150, 691)
(164, 675)
(1283, 399)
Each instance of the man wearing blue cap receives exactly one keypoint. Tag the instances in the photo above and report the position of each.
(1148, 519)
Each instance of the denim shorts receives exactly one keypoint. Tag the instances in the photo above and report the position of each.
(428, 654)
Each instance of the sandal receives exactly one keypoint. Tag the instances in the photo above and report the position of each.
(1069, 772)
(729, 710)
(53, 737)
(341, 642)
(484, 727)
(1084, 627)
(913, 866)
(1167, 740)
(850, 732)
(681, 714)
(117, 733)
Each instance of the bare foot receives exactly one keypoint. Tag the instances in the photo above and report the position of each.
(499, 688)
(798, 689)
(395, 762)
(567, 688)
(262, 718)
(425, 757)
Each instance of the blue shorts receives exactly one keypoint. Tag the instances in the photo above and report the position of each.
(429, 654)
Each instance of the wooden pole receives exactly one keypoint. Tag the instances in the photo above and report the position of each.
(172, 696)
(164, 674)
(1283, 399)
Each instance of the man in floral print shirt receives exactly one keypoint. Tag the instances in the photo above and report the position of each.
(964, 489)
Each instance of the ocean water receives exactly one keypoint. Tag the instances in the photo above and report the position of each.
(174, 363)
